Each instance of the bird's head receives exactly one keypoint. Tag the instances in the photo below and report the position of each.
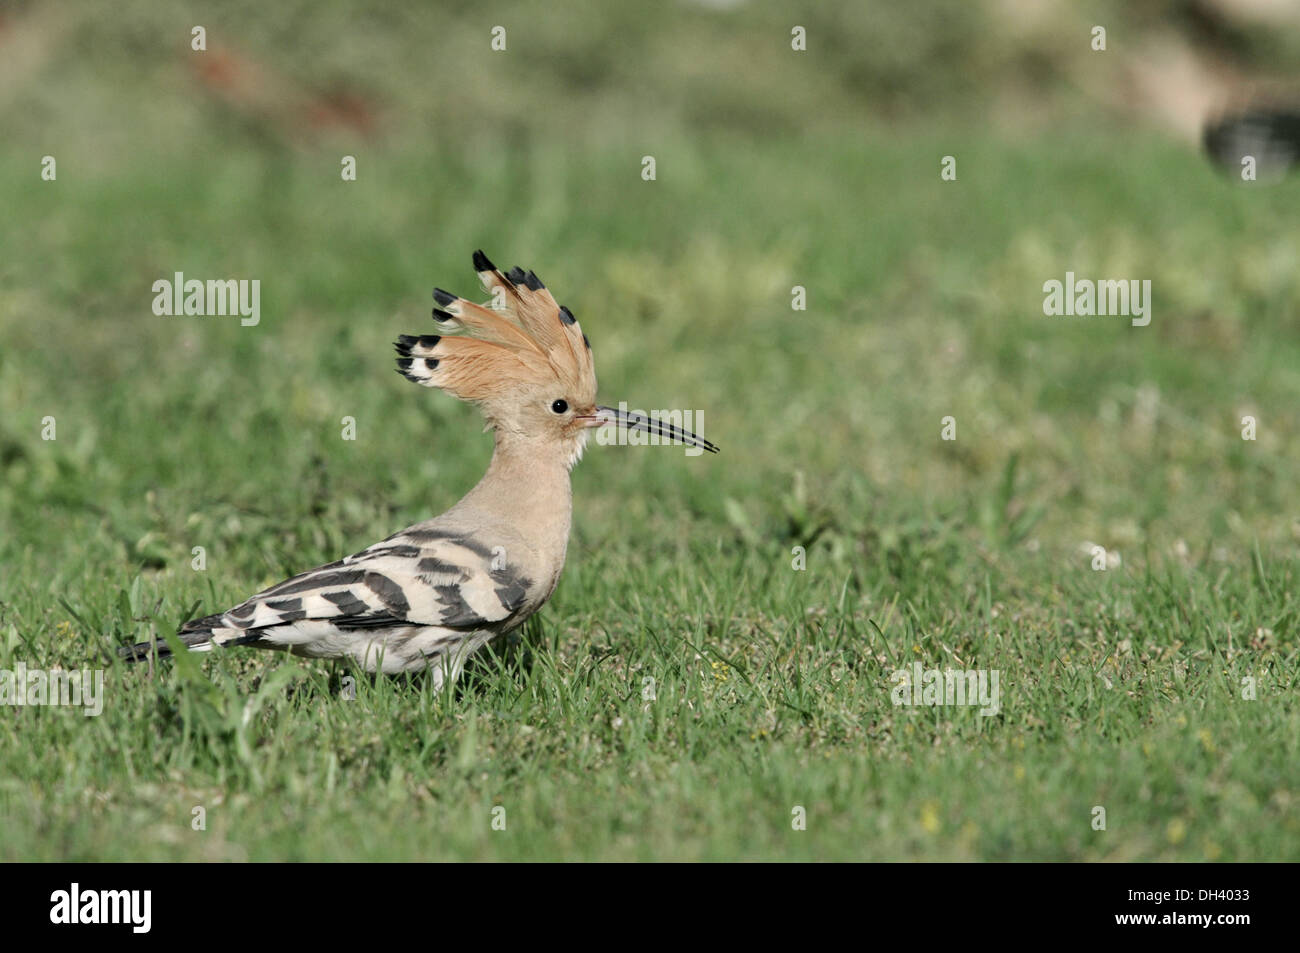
(524, 360)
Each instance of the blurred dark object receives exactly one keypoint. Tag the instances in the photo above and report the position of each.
(1270, 135)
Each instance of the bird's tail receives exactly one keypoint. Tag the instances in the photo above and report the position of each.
(197, 635)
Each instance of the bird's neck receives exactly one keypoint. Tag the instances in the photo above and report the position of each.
(527, 486)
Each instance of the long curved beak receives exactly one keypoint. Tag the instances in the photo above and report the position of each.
(667, 432)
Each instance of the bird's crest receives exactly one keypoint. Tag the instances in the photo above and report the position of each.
(519, 342)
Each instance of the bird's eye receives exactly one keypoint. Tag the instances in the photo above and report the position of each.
(559, 407)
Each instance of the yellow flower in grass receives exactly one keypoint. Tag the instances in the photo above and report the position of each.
(930, 822)
(1176, 831)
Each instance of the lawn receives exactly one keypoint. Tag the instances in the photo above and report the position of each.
(688, 693)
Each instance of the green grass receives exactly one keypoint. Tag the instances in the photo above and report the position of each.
(1120, 689)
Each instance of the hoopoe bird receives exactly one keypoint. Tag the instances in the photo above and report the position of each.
(431, 595)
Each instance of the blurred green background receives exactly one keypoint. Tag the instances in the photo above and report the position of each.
(775, 168)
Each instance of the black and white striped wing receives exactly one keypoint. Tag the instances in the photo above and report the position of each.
(418, 577)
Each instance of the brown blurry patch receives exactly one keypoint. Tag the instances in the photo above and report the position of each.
(27, 43)
(277, 106)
